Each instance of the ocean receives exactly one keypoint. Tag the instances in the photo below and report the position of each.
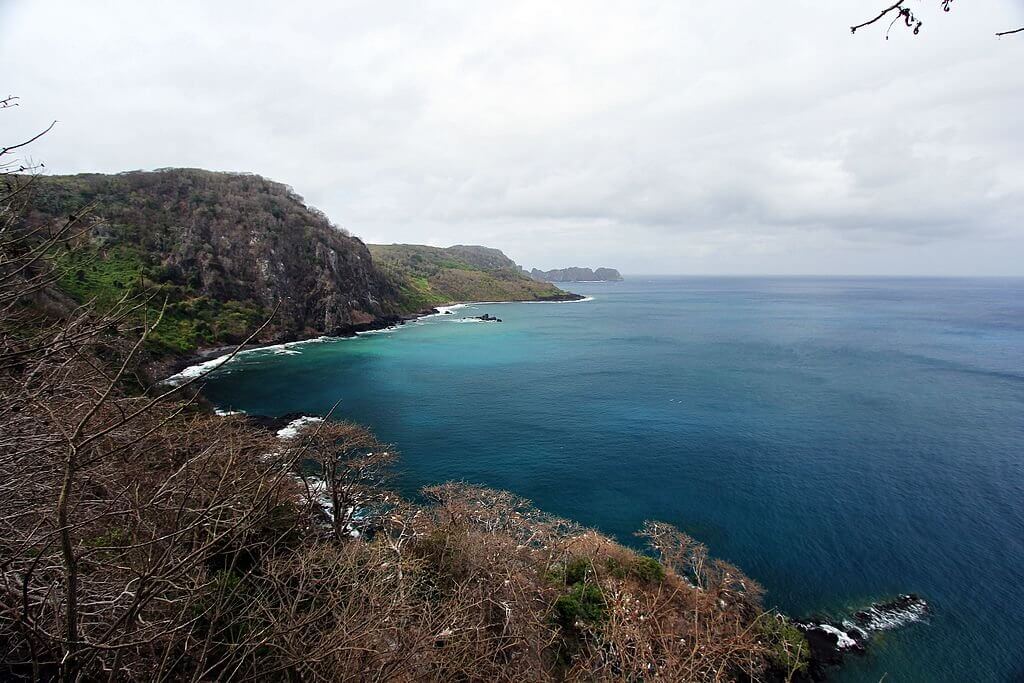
(842, 440)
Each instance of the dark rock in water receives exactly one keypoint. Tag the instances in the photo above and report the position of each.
(568, 296)
(882, 616)
(487, 318)
(448, 313)
(273, 424)
(831, 641)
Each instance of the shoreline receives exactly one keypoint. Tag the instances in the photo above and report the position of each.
(832, 639)
(205, 361)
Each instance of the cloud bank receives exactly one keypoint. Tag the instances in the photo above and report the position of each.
(656, 137)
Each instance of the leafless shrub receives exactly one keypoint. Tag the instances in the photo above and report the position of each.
(347, 470)
(142, 538)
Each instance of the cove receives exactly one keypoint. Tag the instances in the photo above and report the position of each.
(841, 440)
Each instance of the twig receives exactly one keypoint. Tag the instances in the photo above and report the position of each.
(898, 5)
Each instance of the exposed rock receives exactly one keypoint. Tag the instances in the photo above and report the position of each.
(231, 237)
(831, 641)
(576, 274)
(607, 274)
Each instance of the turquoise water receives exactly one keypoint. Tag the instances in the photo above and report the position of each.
(842, 440)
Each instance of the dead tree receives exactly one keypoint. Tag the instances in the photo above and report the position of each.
(347, 469)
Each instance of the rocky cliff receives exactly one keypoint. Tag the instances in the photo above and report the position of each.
(224, 247)
(575, 274)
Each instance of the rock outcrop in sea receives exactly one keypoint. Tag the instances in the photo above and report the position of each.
(832, 640)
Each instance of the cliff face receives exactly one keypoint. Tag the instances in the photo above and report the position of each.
(226, 247)
(608, 274)
(575, 274)
(433, 276)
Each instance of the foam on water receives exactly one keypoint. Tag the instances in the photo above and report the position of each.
(843, 641)
(383, 330)
(197, 370)
(907, 609)
(443, 310)
(294, 427)
(220, 412)
(208, 366)
(840, 440)
(316, 487)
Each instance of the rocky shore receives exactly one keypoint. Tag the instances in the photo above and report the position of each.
(831, 641)
(167, 367)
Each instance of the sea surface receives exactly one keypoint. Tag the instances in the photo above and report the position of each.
(841, 440)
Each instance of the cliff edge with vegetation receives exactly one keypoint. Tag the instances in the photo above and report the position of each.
(145, 538)
(225, 250)
(434, 276)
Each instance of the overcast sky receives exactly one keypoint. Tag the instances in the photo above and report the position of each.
(656, 137)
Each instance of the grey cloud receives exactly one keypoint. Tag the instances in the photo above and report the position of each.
(654, 137)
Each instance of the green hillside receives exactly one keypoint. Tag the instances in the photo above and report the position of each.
(223, 249)
(434, 276)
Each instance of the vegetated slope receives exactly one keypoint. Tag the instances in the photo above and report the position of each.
(433, 276)
(225, 248)
(576, 274)
(149, 539)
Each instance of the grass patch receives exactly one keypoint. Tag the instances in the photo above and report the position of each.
(585, 603)
(190, 320)
(787, 647)
(642, 568)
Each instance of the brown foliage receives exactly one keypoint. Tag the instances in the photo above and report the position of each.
(142, 538)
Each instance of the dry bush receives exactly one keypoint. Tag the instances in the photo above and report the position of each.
(118, 504)
(142, 538)
(346, 469)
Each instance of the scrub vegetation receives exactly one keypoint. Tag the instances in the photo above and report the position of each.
(223, 250)
(434, 276)
(144, 538)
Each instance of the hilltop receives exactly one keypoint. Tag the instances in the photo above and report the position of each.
(224, 248)
(433, 276)
(150, 539)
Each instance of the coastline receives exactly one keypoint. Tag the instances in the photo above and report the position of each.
(832, 639)
(202, 361)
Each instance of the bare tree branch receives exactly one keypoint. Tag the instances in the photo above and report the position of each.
(894, 8)
(912, 21)
(7, 150)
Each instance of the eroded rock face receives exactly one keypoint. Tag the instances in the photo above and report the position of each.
(231, 237)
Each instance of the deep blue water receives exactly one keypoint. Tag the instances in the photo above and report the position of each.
(841, 440)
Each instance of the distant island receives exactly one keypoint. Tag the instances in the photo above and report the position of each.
(576, 274)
